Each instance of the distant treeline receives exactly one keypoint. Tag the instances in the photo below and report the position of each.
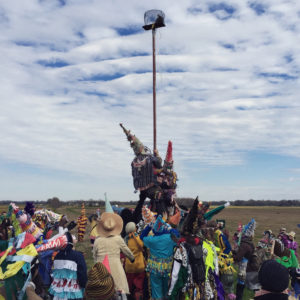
(184, 202)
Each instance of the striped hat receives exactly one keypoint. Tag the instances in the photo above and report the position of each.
(100, 284)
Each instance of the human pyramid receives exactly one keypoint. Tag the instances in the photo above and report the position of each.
(158, 250)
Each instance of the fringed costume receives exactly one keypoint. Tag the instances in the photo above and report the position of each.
(150, 178)
(81, 224)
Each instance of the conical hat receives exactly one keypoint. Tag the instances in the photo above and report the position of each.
(148, 215)
(168, 162)
(108, 207)
(100, 284)
(106, 263)
(135, 143)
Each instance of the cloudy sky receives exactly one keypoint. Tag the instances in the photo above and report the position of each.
(227, 96)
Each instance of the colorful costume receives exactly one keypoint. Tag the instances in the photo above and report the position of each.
(135, 271)
(94, 221)
(159, 263)
(15, 265)
(248, 271)
(154, 181)
(81, 222)
(69, 274)
(26, 223)
(225, 263)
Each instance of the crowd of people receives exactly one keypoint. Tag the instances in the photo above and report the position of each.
(158, 250)
(140, 254)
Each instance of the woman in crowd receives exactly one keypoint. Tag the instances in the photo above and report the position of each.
(110, 243)
(135, 271)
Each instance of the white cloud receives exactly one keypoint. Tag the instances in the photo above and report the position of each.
(224, 87)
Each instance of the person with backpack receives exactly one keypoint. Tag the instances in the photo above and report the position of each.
(247, 259)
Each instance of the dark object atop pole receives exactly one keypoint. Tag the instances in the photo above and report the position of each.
(154, 19)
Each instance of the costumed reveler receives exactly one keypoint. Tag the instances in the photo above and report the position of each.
(81, 224)
(226, 268)
(195, 267)
(150, 178)
(159, 262)
(18, 268)
(168, 182)
(246, 257)
(24, 217)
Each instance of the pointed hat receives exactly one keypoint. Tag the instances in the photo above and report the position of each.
(169, 156)
(168, 162)
(108, 207)
(148, 215)
(135, 143)
(106, 263)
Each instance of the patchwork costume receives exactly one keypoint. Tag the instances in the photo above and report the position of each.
(69, 274)
(159, 263)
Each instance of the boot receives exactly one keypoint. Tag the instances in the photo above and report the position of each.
(239, 291)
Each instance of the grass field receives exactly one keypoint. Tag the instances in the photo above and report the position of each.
(266, 217)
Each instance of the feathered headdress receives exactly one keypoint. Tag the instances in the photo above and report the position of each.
(249, 229)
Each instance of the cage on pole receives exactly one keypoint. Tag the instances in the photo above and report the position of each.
(154, 18)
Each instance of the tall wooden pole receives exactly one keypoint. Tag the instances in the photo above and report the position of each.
(154, 89)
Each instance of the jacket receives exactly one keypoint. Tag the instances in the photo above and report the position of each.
(136, 246)
(112, 246)
(246, 249)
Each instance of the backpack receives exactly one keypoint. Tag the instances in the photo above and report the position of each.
(195, 255)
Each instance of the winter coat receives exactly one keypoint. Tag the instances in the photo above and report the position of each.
(112, 246)
(136, 246)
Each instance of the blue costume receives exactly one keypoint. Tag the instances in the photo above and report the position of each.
(160, 260)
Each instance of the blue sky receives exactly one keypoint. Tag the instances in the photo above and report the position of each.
(227, 96)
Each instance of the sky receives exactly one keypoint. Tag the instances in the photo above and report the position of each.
(227, 97)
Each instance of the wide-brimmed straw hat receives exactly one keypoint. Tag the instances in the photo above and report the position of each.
(109, 224)
(292, 234)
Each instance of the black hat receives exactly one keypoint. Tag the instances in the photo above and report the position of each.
(273, 276)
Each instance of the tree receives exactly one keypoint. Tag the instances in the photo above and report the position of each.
(54, 202)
